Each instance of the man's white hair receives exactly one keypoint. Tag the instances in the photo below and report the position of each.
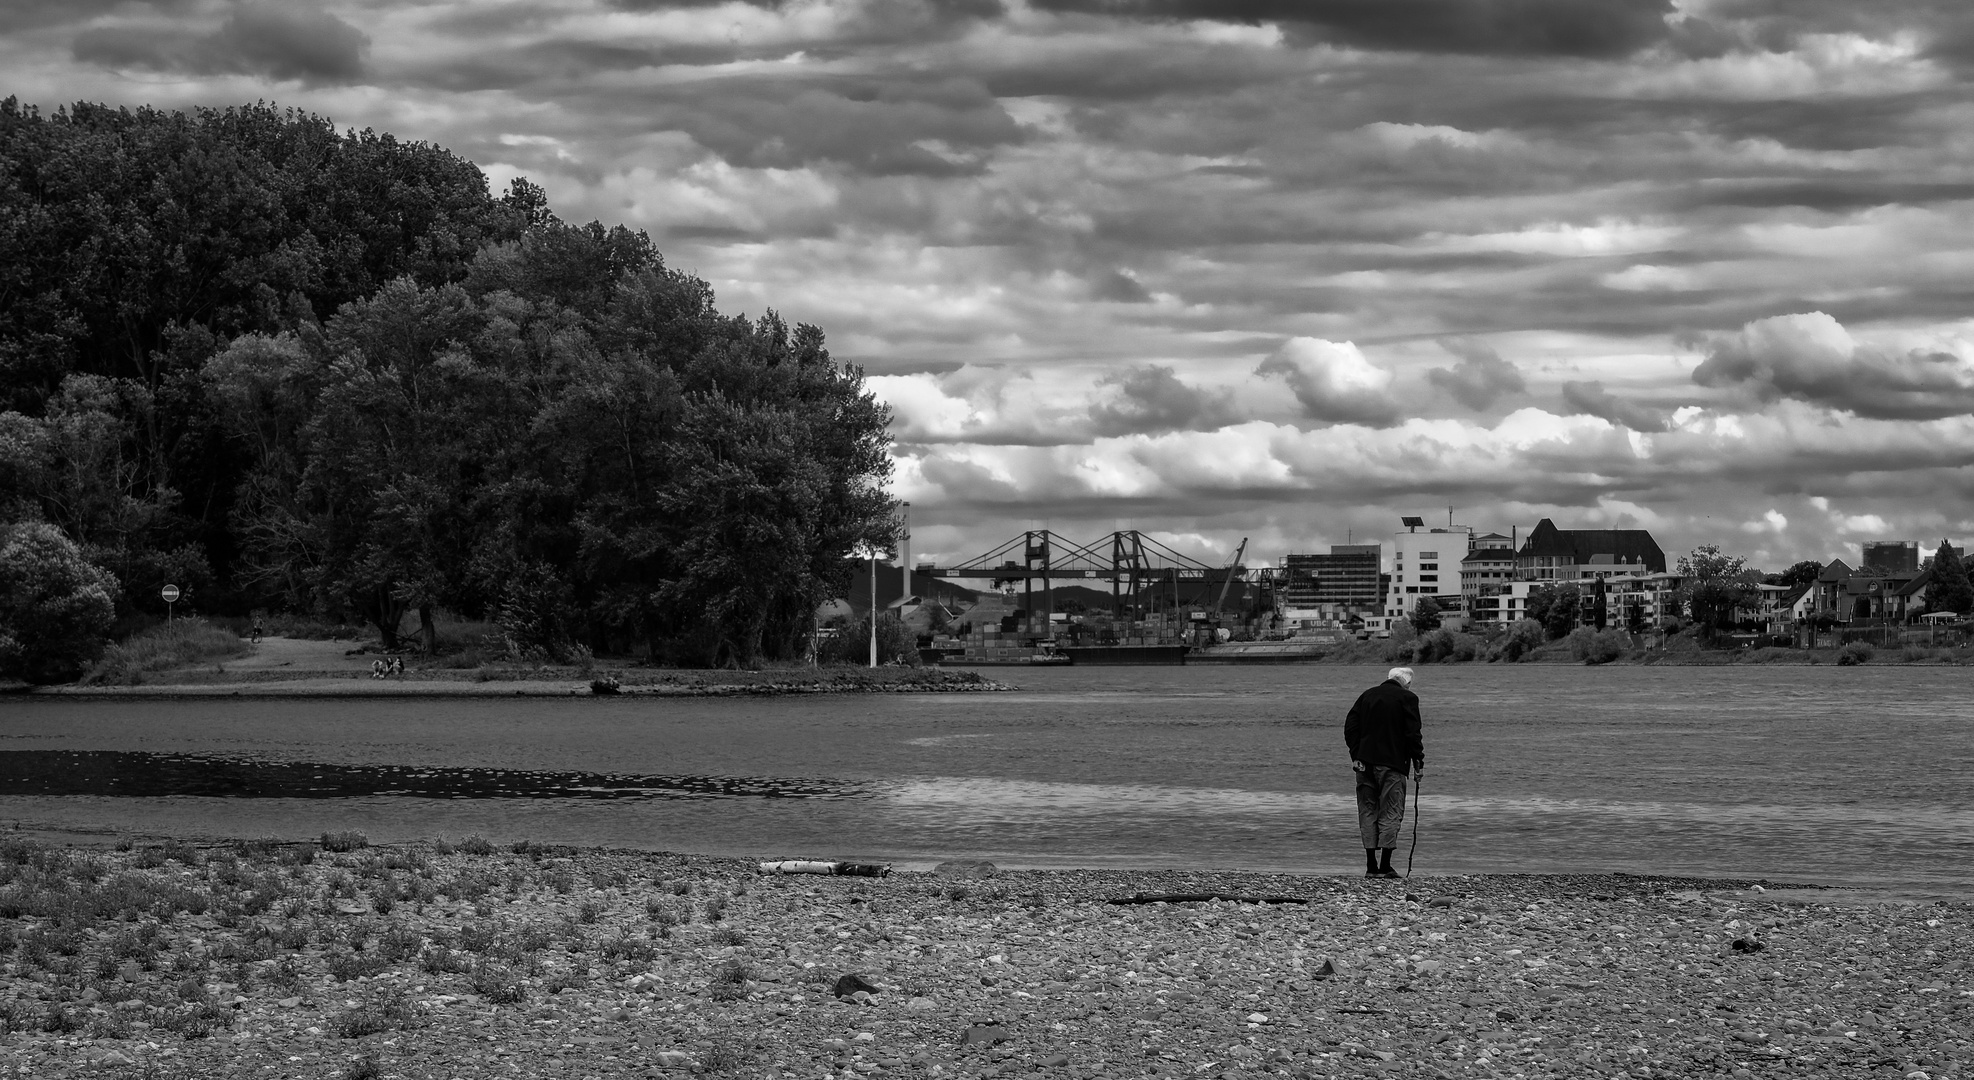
(1403, 675)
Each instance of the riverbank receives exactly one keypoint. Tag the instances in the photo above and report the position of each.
(333, 959)
(539, 683)
(285, 667)
(1599, 650)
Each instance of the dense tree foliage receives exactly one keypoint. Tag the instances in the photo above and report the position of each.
(1801, 573)
(1425, 615)
(1554, 607)
(282, 366)
(1714, 585)
(55, 605)
(1949, 589)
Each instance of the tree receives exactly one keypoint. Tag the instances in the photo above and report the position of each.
(1425, 614)
(1949, 589)
(1560, 617)
(1600, 605)
(1634, 617)
(1801, 573)
(55, 606)
(1540, 599)
(1714, 586)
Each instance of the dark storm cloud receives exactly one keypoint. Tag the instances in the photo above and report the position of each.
(283, 41)
(1480, 377)
(1153, 399)
(1591, 399)
(1586, 28)
(1811, 357)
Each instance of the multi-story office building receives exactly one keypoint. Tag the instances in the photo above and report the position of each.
(1336, 586)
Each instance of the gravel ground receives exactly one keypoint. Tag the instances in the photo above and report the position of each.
(462, 961)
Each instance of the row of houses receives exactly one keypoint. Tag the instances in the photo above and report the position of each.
(1486, 580)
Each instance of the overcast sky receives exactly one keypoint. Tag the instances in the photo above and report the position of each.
(1257, 268)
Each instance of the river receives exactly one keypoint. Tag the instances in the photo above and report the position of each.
(1810, 774)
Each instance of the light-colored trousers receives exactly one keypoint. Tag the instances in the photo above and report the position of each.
(1380, 805)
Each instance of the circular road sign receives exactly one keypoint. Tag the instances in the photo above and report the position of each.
(170, 594)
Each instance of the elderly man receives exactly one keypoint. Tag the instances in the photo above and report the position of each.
(1385, 743)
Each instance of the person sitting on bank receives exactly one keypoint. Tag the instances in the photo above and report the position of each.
(1386, 743)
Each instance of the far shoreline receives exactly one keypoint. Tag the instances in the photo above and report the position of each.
(624, 683)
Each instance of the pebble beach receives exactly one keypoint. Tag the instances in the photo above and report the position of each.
(332, 958)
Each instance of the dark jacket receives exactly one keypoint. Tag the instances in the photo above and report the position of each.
(1383, 728)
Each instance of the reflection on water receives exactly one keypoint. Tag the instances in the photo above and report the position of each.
(141, 775)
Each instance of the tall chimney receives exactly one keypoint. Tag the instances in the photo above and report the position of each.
(905, 549)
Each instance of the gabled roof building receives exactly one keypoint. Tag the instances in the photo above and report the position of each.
(1553, 554)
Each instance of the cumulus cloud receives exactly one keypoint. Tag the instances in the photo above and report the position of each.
(284, 41)
(1152, 399)
(1591, 399)
(1479, 378)
(1812, 357)
(1334, 382)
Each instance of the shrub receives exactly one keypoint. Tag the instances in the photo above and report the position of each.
(1855, 653)
(1398, 648)
(476, 845)
(1598, 646)
(386, 1014)
(439, 960)
(497, 983)
(850, 643)
(345, 965)
(176, 644)
(195, 1021)
(344, 841)
(1440, 645)
(1523, 638)
(729, 981)
(56, 607)
(625, 947)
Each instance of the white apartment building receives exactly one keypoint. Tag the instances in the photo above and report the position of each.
(1656, 597)
(1425, 562)
(1490, 561)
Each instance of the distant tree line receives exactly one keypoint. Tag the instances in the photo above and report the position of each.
(286, 367)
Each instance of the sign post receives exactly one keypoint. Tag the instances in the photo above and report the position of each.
(170, 594)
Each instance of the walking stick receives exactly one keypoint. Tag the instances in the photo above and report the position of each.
(1418, 783)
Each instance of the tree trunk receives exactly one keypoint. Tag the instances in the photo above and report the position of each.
(427, 630)
(387, 612)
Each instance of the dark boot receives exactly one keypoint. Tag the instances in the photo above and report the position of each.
(1384, 864)
(1370, 862)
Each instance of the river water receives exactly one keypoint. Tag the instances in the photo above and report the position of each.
(1811, 774)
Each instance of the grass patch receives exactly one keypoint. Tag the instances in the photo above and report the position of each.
(178, 643)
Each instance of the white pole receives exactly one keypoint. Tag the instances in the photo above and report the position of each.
(873, 607)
